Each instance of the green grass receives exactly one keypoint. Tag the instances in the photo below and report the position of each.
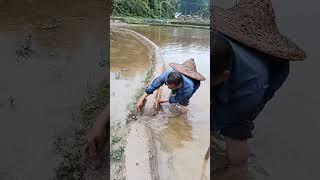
(117, 154)
(115, 139)
(189, 22)
(69, 146)
(145, 82)
(134, 20)
(169, 22)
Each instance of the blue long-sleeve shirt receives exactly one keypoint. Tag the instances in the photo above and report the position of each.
(255, 78)
(181, 95)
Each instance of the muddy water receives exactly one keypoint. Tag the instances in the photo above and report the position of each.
(182, 139)
(287, 131)
(48, 87)
(129, 62)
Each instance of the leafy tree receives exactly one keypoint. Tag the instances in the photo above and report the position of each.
(144, 8)
(193, 6)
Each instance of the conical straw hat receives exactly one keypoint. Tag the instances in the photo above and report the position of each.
(189, 69)
(253, 23)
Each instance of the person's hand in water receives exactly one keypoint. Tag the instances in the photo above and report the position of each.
(97, 134)
(140, 103)
(163, 101)
(184, 109)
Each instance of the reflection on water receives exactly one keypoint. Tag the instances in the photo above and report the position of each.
(177, 131)
(176, 37)
(129, 62)
(129, 56)
(183, 140)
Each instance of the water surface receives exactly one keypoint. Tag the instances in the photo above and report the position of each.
(49, 86)
(183, 140)
(129, 62)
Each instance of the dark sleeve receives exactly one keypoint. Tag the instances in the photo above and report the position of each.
(156, 83)
(279, 72)
(235, 118)
(222, 55)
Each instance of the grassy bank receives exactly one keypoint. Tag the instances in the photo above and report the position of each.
(119, 131)
(73, 165)
(164, 22)
(181, 25)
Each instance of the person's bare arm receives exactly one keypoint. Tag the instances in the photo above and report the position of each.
(154, 85)
(98, 132)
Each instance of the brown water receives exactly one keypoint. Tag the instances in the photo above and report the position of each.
(183, 140)
(49, 86)
(130, 61)
(287, 131)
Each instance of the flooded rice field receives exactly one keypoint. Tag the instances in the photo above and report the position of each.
(182, 140)
(48, 62)
(130, 61)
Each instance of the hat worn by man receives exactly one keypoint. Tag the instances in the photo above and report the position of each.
(189, 69)
(253, 23)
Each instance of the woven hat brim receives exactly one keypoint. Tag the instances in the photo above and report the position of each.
(187, 71)
(272, 43)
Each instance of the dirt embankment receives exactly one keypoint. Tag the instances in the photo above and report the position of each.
(139, 138)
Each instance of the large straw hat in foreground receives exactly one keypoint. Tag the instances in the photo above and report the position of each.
(253, 23)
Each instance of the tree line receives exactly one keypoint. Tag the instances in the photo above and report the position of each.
(158, 8)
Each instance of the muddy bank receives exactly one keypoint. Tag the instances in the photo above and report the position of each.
(130, 61)
(75, 164)
(146, 164)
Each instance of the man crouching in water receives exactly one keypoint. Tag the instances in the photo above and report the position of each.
(249, 64)
(183, 79)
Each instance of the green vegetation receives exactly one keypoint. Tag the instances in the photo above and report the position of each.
(115, 139)
(159, 8)
(193, 23)
(68, 146)
(144, 8)
(134, 20)
(145, 82)
(194, 7)
(117, 154)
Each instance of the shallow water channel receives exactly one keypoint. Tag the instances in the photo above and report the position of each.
(182, 141)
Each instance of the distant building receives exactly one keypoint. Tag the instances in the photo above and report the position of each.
(177, 15)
